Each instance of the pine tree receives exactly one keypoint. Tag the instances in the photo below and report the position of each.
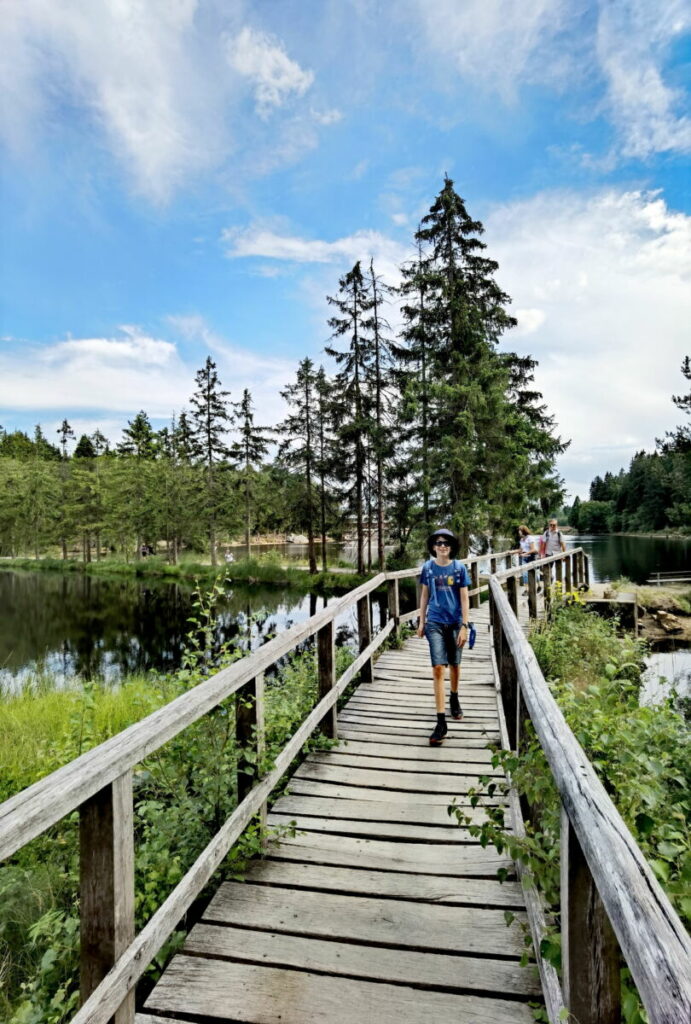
(381, 388)
(210, 421)
(298, 449)
(65, 433)
(248, 452)
(414, 360)
(324, 450)
(138, 438)
(464, 316)
(351, 404)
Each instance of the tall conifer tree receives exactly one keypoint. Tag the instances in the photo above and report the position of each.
(210, 421)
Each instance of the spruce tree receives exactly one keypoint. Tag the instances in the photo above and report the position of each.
(351, 406)
(298, 449)
(210, 421)
(381, 386)
(464, 316)
(248, 452)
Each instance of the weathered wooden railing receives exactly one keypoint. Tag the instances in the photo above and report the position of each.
(99, 785)
(611, 903)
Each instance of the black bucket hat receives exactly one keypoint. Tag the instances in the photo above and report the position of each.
(443, 532)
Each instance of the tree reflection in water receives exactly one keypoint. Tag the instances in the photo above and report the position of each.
(68, 625)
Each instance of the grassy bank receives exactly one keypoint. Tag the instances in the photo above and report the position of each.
(183, 793)
(264, 568)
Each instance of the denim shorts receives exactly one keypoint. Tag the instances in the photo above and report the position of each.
(442, 639)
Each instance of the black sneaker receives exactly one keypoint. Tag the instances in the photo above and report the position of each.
(437, 737)
(456, 709)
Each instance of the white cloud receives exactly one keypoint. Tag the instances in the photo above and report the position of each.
(118, 376)
(607, 280)
(265, 63)
(155, 81)
(617, 46)
(499, 44)
(257, 241)
(327, 117)
(124, 373)
(632, 40)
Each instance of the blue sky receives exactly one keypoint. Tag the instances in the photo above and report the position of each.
(190, 177)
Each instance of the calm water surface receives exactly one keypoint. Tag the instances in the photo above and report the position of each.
(67, 625)
(637, 558)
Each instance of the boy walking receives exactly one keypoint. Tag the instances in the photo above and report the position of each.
(444, 612)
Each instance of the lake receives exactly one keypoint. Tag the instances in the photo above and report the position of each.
(63, 625)
(68, 624)
(612, 555)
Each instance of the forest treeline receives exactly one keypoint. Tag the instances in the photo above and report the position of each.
(655, 492)
(417, 425)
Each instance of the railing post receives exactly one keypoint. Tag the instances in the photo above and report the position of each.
(567, 566)
(532, 593)
(394, 604)
(475, 581)
(249, 730)
(559, 570)
(492, 566)
(364, 625)
(590, 954)
(106, 886)
(586, 570)
(326, 661)
(508, 562)
(512, 591)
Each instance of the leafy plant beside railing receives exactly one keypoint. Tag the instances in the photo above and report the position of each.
(642, 755)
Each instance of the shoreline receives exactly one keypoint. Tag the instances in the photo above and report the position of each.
(241, 571)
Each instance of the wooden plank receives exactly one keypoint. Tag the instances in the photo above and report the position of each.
(402, 709)
(464, 974)
(404, 752)
(368, 734)
(380, 855)
(415, 782)
(248, 992)
(371, 828)
(310, 787)
(347, 760)
(372, 810)
(378, 921)
(452, 891)
(473, 728)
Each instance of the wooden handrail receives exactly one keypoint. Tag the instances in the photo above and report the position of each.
(29, 813)
(653, 940)
(99, 784)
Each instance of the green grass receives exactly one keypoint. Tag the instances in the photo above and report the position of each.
(42, 727)
(262, 568)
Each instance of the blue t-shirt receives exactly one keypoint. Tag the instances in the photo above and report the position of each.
(444, 583)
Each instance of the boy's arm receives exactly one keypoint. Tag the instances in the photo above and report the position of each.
(424, 598)
(465, 617)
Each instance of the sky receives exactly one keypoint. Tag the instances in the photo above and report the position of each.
(183, 178)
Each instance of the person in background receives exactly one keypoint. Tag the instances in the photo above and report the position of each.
(551, 543)
(526, 550)
(444, 614)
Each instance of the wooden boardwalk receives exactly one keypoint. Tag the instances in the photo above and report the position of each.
(380, 907)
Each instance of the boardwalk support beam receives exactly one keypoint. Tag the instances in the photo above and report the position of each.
(106, 856)
(590, 953)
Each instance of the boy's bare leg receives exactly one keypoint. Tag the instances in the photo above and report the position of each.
(440, 688)
(455, 673)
